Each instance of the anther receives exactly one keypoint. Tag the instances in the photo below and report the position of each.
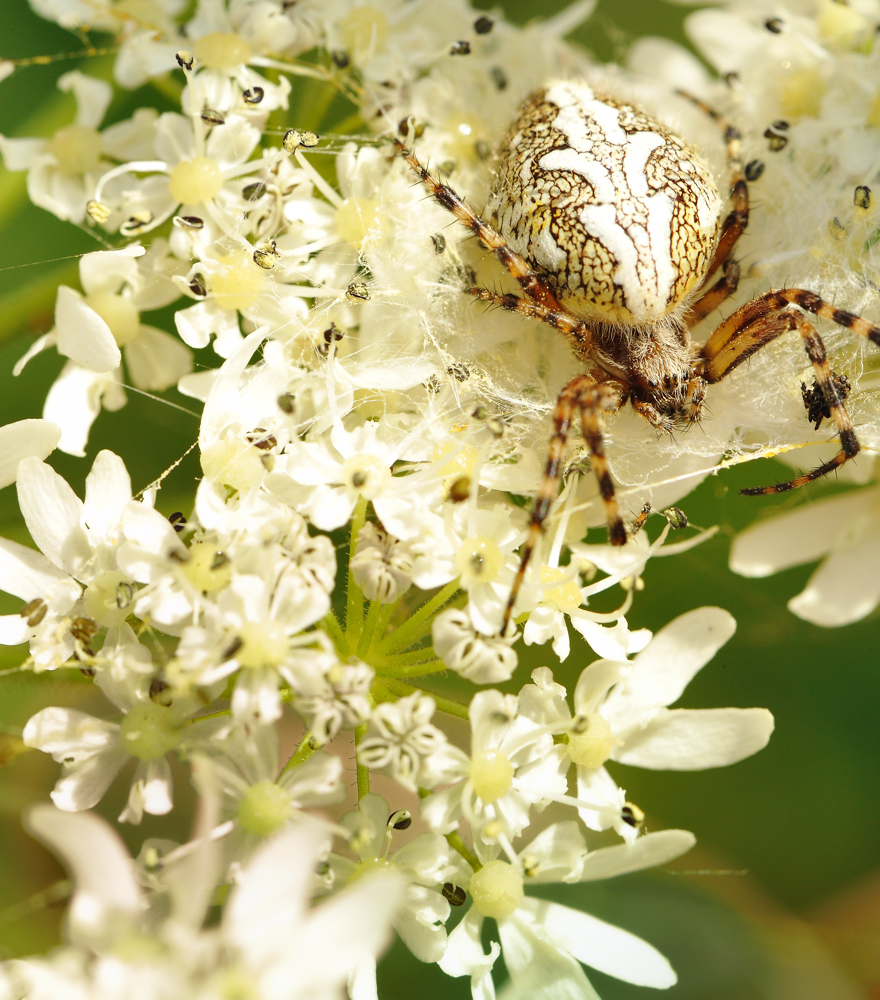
(192, 222)
(754, 169)
(677, 518)
(253, 95)
(400, 820)
(862, 197)
(213, 117)
(197, 286)
(499, 77)
(98, 211)
(286, 402)
(160, 692)
(632, 815)
(185, 60)
(340, 59)
(357, 291)
(177, 520)
(124, 595)
(439, 241)
(460, 489)
(775, 25)
(453, 894)
(483, 25)
(460, 49)
(253, 191)
(266, 259)
(34, 611)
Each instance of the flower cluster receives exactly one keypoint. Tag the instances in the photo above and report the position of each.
(368, 442)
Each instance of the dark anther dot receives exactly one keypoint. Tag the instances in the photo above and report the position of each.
(213, 117)
(160, 692)
(499, 77)
(780, 125)
(862, 196)
(340, 59)
(400, 820)
(460, 490)
(460, 49)
(460, 372)
(775, 24)
(483, 25)
(439, 241)
(253, 191)
(754, 169)
(253, 95)
(184, 59)
(197, 286)
(453, 894)
(177, 520)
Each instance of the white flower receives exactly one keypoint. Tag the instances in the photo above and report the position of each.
(544, 943)
(513, 766)
(329, 694)
(401, 741)
(381, 566)
(91, 329)
(620, 714)
(478, 658)
(63, 170)
(844, 532)
(427, 864)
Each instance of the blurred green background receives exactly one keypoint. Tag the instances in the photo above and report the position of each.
(795, 909)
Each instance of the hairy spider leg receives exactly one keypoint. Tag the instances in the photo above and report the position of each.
(726, 285)
(738, 218)
(530, 281)
(576, 330)
(757, 332)
(588, 397)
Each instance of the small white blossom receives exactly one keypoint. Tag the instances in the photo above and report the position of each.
(478, 658)
(382, 565)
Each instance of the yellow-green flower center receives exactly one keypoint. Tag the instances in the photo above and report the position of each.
(479, 561)
(491, 775)
(77, 149)
(221, 50)
(119, 313)
(264, 808)
(108, 598)
(239, 284)
(149, 731)
(194, 181)
(590, 740)
(497, 889)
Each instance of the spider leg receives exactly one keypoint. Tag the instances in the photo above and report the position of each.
(576, 330)
(714, 296)
(530, 281)
(735, 223)
(588, 396)
(649, 412)
(754, 335)
(714, 351)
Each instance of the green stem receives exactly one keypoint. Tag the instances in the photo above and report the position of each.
(435, 666)
(334, 630)
(354, 605)
(404, 659)
(302, 754)
(211, 715)
(413, 628)
(401, 690)
(457, 844)
(369, 628)
(363, 773)
(385, 616)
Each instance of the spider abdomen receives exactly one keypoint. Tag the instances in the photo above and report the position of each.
(615, 210)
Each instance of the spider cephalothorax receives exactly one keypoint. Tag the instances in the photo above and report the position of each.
(610, 224)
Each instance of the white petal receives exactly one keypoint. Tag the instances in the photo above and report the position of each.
(602, 946)
(13, 630)
(557, 853)
(21, 154)
(109, 270)
(74, 401)
(419, 922)
(23, 439)
(108, 490)
(799, 536)
(37, 347)
(267, 905)
(845, 588)
(29, 574)
(362, 984)
(82, 335)
(156, 360)
(539, 970)
(613, 642)
(464, 952)
(661, 672)
(595, 682)
(694, 739)
(103, 875)
(647, 852)
(69, 735)
(83, 784)
(92, 96)
(52, 512)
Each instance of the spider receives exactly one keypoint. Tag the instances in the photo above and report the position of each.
(612, 227)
